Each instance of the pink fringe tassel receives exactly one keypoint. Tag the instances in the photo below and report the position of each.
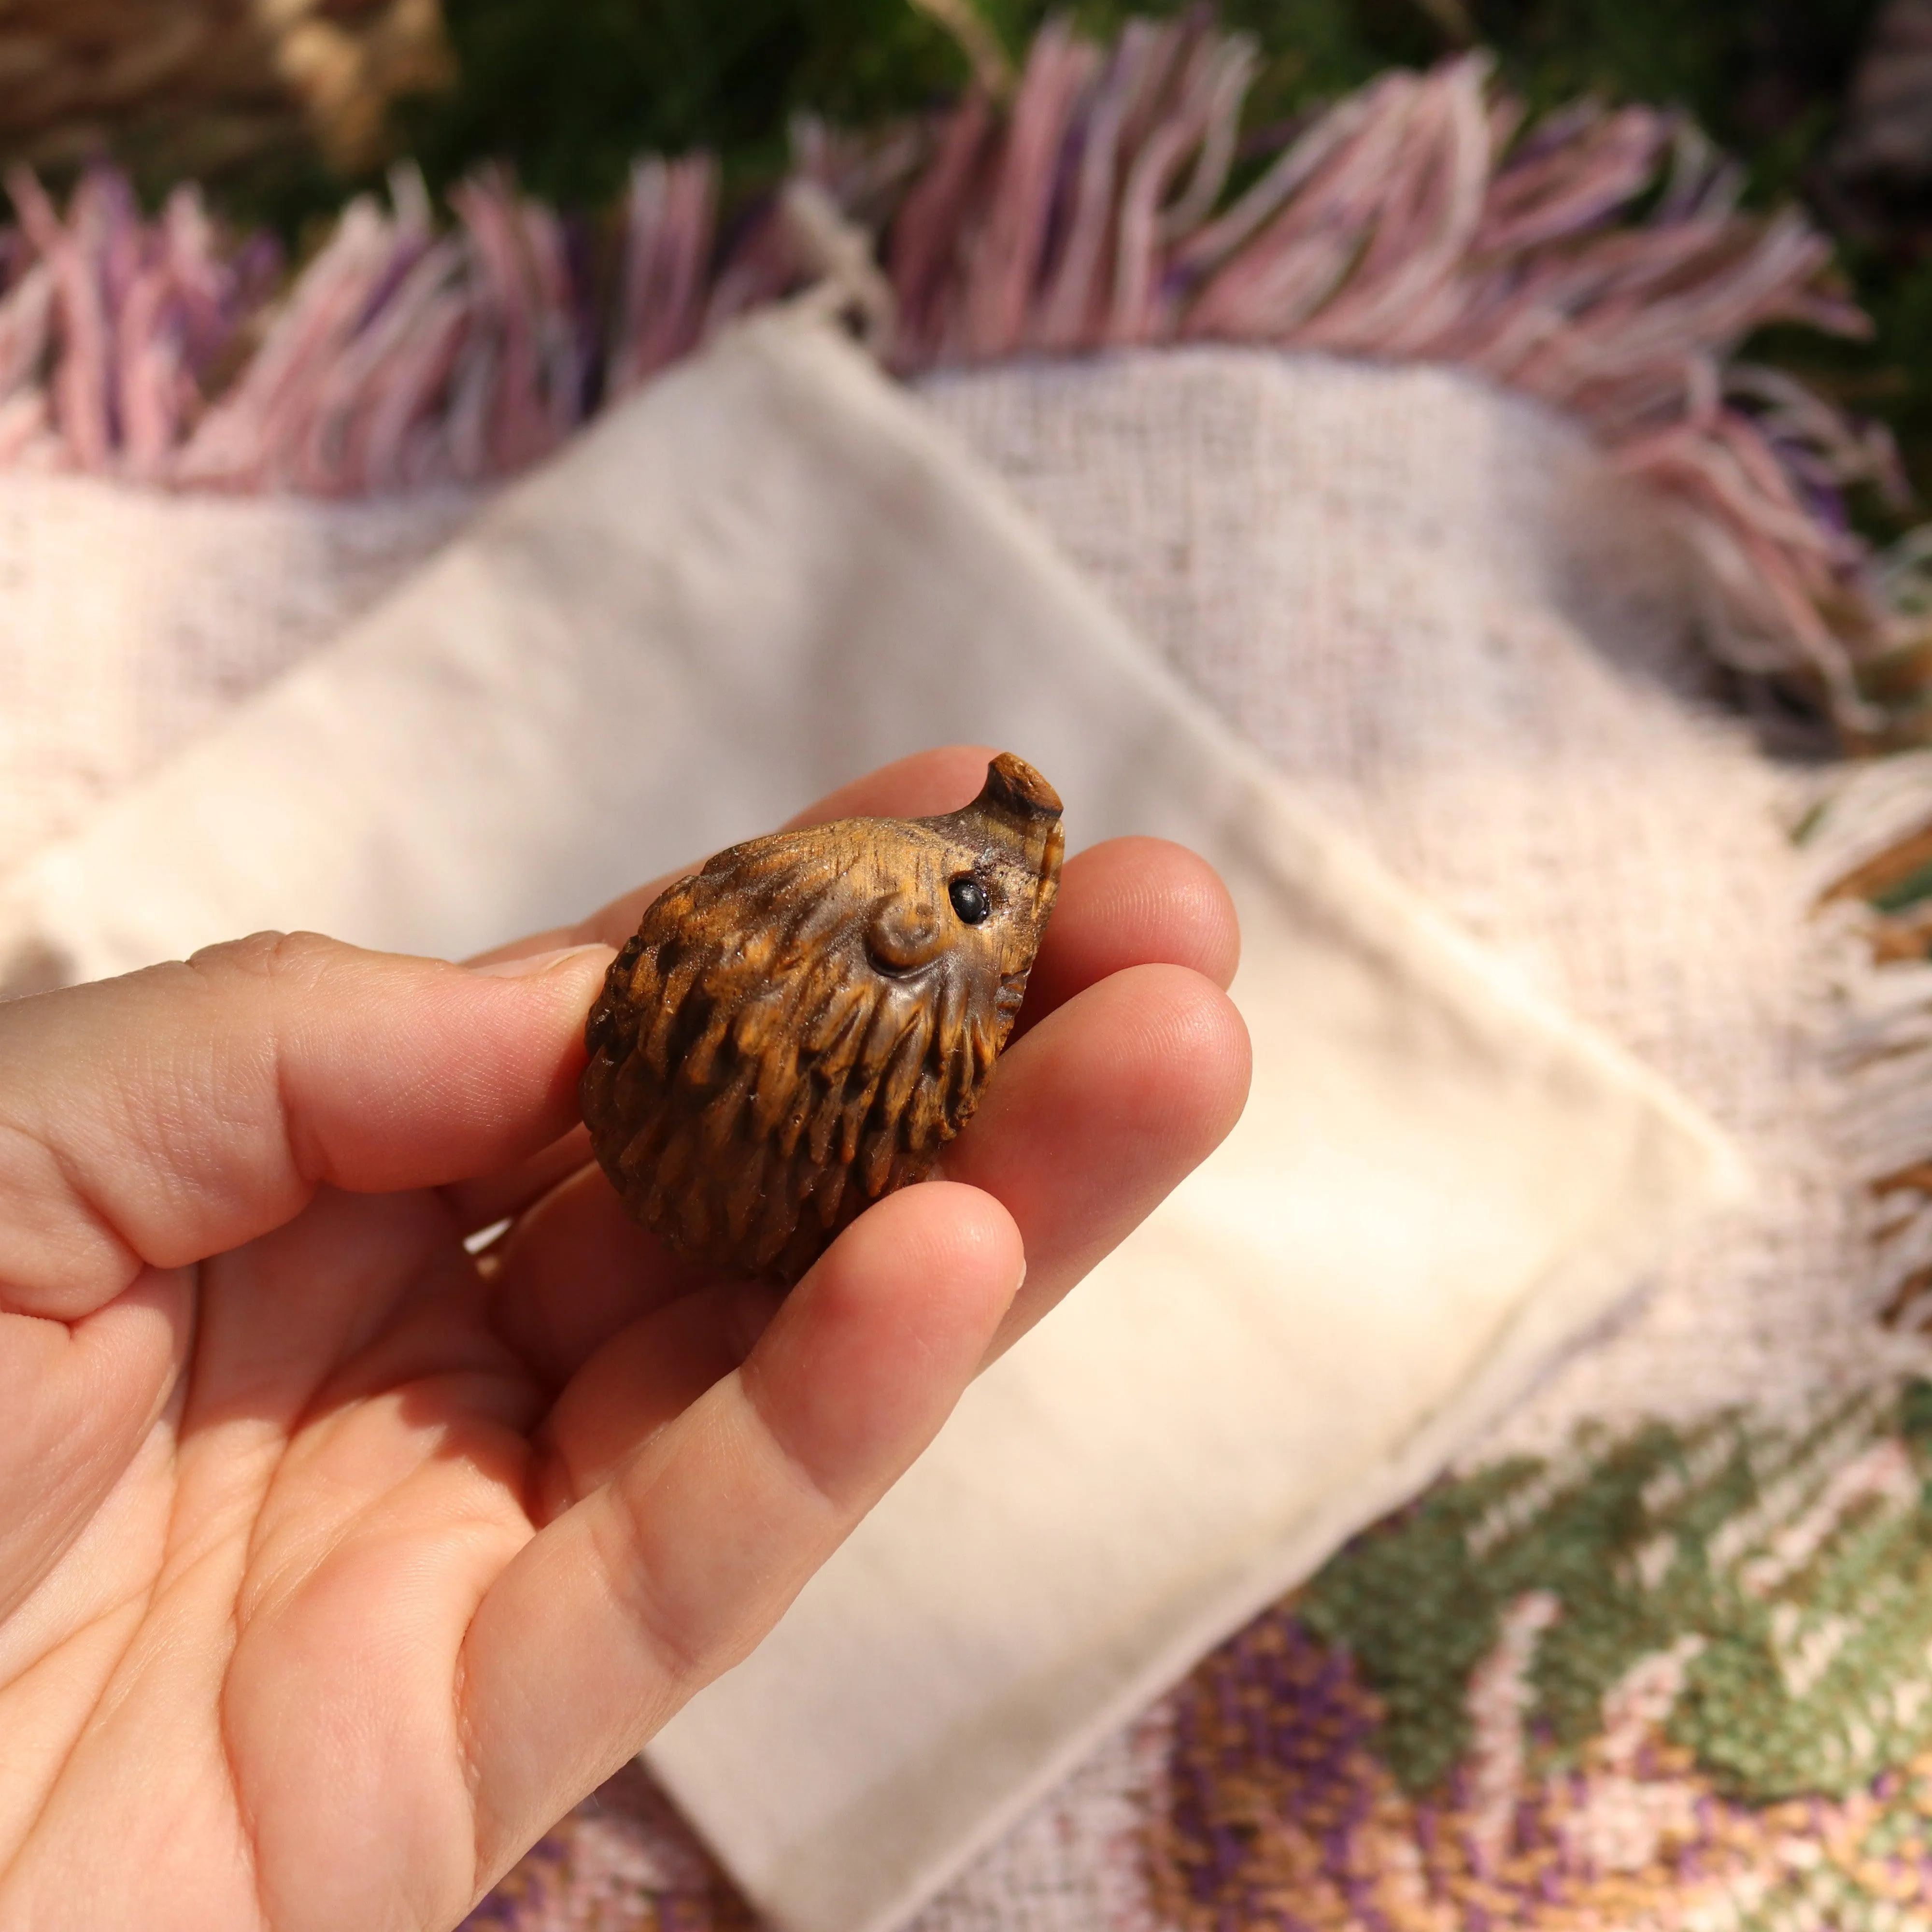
(1598, 261)
(1413, 222)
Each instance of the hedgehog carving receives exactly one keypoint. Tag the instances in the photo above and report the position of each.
(799, 1029)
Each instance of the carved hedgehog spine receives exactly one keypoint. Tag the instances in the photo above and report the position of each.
(799, 1029)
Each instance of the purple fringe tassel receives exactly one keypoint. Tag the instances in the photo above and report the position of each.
(1597, 260)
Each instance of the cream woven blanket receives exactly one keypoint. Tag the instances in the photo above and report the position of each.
(1434, 608)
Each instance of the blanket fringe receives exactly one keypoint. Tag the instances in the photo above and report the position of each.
(1598, 260)
(1867, 849)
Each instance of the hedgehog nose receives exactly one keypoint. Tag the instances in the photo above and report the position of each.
(905, 933)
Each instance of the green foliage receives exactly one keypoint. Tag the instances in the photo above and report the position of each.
(1749, 70)
(1893, 378)
(569, 93)
(1312, 50)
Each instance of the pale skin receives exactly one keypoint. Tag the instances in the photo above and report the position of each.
(335, 1565)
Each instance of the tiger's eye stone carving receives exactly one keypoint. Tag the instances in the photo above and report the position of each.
(799, 1028)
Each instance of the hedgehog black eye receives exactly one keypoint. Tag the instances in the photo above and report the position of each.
(969, 899)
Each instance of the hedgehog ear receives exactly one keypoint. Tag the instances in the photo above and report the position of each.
(905, 932)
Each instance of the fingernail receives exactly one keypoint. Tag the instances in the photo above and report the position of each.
(536, 962)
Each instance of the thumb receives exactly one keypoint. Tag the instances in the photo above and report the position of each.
(164, 1117)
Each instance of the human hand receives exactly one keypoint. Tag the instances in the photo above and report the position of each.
(336, 1565)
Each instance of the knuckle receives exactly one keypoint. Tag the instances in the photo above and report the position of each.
(276, 959)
